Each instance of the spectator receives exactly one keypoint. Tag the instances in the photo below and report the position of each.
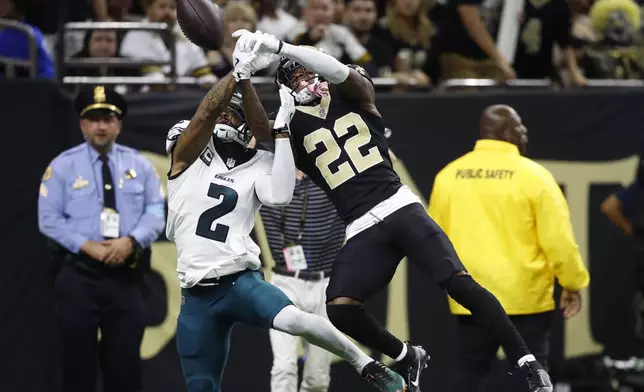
(14, 44)
(619, 207)
(115, 10)
(236, 16)
(151, 46)
(361, 18)
(615, 54)
(339, 17)
(542, 27)
(272, 19)
(465, 47)
(407, 28)
(105, 10)
(317, 29)
(100, 44)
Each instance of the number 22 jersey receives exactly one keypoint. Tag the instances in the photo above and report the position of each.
(342, 147)
(211, 212)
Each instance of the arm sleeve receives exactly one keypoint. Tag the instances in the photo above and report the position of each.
(51, 218)
(276, 188)
(152, 222)
(327, 66)
(556, 236)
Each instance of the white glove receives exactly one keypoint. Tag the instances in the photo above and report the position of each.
(243, 58)
(267, 43)
(286, 110)
(262, 61)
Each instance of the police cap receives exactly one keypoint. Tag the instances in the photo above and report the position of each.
(100, 98)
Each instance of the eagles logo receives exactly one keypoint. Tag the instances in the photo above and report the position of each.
(361, 70)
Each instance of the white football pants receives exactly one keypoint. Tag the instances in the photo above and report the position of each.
(309, 296)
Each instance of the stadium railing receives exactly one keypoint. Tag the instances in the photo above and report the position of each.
(118, 62)
(174, 79)
(11, 63)
(451, 84)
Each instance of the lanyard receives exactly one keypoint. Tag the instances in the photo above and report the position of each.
(300, 232)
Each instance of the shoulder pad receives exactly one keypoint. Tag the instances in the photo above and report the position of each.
(174, 133)
(361, 71)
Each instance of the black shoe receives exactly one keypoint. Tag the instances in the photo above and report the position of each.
(538, 378)
(383, 378)
(411, 367)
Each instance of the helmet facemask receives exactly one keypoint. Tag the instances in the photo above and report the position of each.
(308, 89)
(227, 132)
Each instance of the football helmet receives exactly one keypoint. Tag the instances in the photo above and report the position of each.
(228, 133)
(308, 90)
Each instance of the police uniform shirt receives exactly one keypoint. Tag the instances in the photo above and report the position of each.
(71, 197)
(510, 225)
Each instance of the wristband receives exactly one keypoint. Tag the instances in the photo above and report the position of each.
(281, 130)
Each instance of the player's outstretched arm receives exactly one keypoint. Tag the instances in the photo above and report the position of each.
(349, 81)
(255, 113)
(276, 188)
(196, 136)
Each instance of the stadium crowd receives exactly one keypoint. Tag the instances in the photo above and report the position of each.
(418, 43)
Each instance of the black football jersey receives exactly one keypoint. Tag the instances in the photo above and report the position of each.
(343, 149)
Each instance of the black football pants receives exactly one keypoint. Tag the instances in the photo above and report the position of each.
(476, 350)
(114, 304)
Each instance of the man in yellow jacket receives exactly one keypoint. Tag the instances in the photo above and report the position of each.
(510, 225)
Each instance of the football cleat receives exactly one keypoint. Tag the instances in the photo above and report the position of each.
(412, 367)
(537, 377)
(383, 378)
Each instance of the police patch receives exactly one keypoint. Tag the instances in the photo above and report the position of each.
(47, 174)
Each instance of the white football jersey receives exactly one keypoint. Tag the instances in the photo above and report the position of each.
(211, 213)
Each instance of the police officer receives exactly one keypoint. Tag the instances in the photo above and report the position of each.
(103, 204)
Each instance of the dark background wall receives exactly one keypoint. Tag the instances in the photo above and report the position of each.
(586, 135)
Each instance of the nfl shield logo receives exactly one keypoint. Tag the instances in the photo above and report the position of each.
(230, 162)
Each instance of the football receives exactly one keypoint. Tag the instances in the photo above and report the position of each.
(201, 21)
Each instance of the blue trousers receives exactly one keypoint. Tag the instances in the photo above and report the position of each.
(206, 319)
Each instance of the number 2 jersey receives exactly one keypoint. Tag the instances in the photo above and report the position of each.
(343, 148)
(211, 212)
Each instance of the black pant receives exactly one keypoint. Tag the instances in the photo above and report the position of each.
(476, 350)
(113, 303)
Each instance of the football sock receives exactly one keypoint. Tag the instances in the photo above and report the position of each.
(354, 321)
(488, 314)
(320, 332)
(525, 359)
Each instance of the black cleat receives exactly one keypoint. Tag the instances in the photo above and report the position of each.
(412, 367)
(383, 378)
(538, 378)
